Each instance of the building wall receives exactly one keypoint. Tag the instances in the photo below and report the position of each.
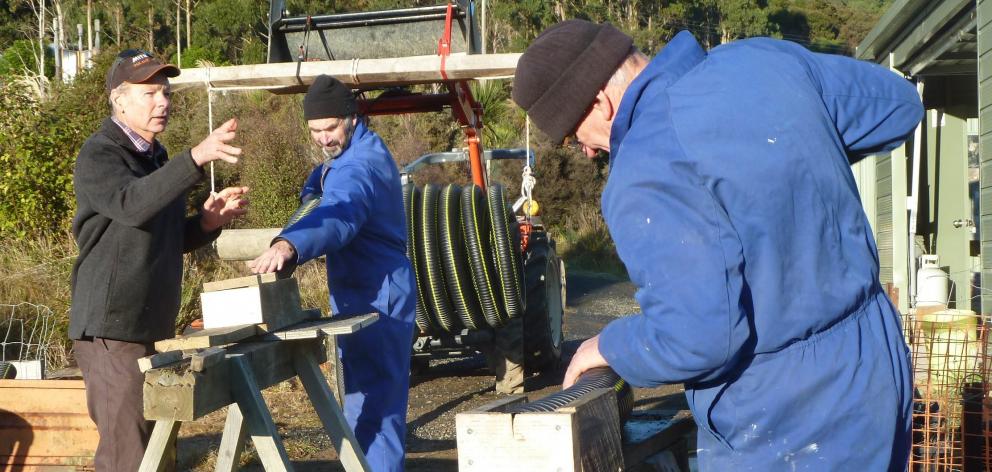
(985, 145)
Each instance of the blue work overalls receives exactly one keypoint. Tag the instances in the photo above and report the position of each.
(359, 226)
(733, 206)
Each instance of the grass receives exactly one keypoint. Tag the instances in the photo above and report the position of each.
(38, 272)
(584, 243)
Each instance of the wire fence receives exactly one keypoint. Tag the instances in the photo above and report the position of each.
(951, 408)
(28, 334)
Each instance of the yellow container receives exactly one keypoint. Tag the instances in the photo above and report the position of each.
(945, 350)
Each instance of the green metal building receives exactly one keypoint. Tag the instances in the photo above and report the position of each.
(934, 194)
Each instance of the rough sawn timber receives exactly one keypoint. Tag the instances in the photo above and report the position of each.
(355, 73)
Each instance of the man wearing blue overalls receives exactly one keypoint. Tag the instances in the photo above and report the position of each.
(732, 204)
(359, 226)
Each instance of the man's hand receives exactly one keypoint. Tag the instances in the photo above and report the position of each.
(222, 207)
(585, 358)
(215, 146)
(274, 259)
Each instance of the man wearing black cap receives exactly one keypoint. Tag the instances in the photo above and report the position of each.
(359, 226)
(732, 205)
(132, 230)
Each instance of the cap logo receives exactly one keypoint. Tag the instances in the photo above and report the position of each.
(140, 59)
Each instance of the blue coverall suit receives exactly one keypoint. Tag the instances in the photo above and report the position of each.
(359, 225)
(732, 204)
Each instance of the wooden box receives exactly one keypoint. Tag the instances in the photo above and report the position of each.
(259, 299)
(582, 437)
(44, 425)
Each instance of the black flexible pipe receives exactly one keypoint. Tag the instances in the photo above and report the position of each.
(456, 266)
(475, 224)
(506, 250)
(436, 297)
(592, 379)
(412, 201)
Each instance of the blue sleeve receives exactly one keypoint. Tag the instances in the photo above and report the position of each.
(312, 184)
(873, 108)
(687, 262)
(343, 209)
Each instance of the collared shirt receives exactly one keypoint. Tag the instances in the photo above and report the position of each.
(139, 142)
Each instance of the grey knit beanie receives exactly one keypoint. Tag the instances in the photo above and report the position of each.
(560, 73)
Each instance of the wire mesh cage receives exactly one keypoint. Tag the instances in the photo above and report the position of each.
(951, 408)
(27, 332)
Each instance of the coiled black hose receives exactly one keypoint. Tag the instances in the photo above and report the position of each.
(592, 379)
(475, 224)
(453, 256)
(506, 250)
(436, 297)
(412, 201)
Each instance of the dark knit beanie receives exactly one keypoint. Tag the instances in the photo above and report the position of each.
(327, 98)
(559, 75)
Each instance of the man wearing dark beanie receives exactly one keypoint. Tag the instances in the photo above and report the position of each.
(357, 222)
(733, 207)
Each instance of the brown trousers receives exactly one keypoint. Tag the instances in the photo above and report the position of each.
(113, 397)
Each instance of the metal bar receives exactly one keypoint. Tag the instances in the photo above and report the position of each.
(350, 24)
(370, 14)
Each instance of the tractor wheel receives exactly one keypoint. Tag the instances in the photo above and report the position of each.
(543, 318)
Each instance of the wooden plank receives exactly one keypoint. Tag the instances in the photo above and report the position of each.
(325, 326)
(349, 451)
(264, 435)
(158, 452)
(158, 360)
(276, 304)
(207, 338)
(244, 244)
(239, 282)
(178, 392)
(202, 360)
(353, 73)
(232, 440)
(598, 432)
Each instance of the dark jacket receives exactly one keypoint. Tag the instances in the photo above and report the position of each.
(132, 230)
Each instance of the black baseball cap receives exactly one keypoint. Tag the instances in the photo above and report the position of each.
(136, 66)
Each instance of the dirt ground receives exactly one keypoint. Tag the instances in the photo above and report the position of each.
(447, 388)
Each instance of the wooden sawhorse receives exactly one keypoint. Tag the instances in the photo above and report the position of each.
(205, 381)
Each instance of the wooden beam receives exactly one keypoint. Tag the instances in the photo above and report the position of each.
(261, 427)
(180, 393)
(323, 327)
(367, 73)
(207, 338)
(159, 360)
(349, 451)
(202, 360)
(244, 244)
(160, 447)
(232, 440)
(239, 282)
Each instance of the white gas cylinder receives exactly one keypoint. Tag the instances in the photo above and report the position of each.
(931, 282)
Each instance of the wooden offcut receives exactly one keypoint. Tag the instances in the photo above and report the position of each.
(356, 73)
(321, 327)
(202, 360)
(585, 436)
(275, 304)
(239, 282)
(159, 360)
(207, 338)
